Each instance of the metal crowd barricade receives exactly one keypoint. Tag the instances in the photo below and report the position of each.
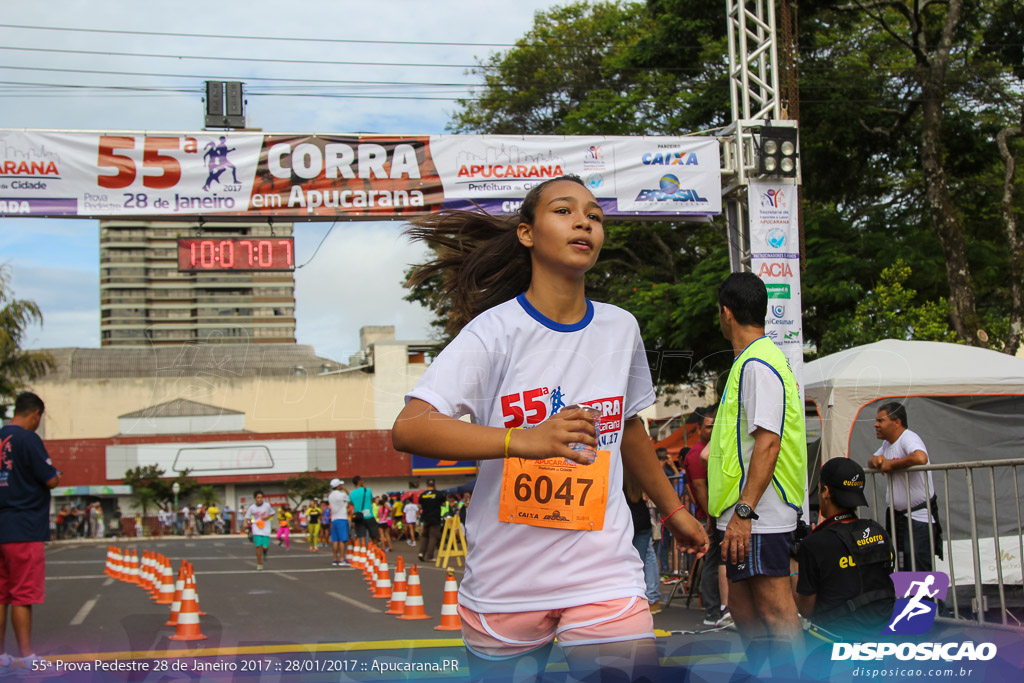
(902, 478)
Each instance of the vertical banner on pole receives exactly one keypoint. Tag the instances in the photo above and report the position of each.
(775, 258)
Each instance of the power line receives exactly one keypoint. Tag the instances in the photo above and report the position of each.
(260, 38)
(107, 53)
(202, 77)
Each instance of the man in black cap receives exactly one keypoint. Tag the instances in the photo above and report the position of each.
(843, 566)
(430, 506)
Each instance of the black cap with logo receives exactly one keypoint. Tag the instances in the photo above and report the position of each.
(845, 480)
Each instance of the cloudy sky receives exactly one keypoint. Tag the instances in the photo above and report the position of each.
(143, 67)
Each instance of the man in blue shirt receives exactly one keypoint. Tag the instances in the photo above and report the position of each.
(26, 477)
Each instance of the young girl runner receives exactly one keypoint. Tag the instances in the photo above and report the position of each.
(284, 524)
(313, 521)
(384, 513)
(550, 550)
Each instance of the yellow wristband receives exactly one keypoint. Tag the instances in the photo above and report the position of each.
(508, 438)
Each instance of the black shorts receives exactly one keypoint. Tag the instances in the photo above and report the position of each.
(768, 556)
(367, 527)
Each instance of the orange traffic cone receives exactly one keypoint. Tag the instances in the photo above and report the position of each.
(349, 555)
(117, 569)
(166, 594)
(122, 558)
(188, 615)
(192, 575)
(149, 562)
(144, 570)
(383, 584)
(397, 605)
(179, 588)
(369, 566)
(360, 555)
(414, 597)
(157, 576)
(132, 570)
(450, 620)
(109, 568)
(379, 560)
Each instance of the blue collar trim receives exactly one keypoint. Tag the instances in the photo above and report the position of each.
(551, 324)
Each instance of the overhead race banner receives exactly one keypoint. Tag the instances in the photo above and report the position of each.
(775, 258)
(329, 177)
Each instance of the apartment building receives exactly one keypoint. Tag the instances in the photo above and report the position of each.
(148, 299)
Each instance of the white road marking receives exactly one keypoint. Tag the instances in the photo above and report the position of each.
(290, 578)
(84, 612)
(206, 573)
(108, 582)
(354, 602)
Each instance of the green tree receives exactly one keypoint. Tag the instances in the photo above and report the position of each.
(306, 486)
(903, 106)
(151, 478)
(910, 116)
(17, 365)
(146, 498)
(625, 69)
(891, 311)
(206, 494)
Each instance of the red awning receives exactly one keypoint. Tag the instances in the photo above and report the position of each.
(679, 439)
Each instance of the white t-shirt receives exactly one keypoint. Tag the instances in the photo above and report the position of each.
(264, 512)
(921, 485)
(513, 351)
(762, 405)
(411, 511)
(338, 500)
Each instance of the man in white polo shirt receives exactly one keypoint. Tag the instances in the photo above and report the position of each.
(900, 449)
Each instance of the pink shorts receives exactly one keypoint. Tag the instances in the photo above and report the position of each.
(22, 573)
(509, 634)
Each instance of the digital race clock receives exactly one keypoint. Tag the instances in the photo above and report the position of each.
(235, 253)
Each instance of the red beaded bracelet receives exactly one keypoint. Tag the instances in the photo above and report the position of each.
(665, 518)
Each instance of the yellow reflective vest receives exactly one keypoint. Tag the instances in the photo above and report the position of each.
(726, 473)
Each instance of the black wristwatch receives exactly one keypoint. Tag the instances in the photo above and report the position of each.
(744, 511)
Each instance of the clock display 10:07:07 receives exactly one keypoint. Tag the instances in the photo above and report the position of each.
(235, 253)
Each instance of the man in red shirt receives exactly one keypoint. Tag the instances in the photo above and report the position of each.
(714, 588)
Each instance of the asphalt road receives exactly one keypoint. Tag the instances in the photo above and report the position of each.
(297, 610)
(300, 619)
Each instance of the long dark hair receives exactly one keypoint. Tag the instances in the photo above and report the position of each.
(480, 260)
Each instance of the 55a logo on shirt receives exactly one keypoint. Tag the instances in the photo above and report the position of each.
(529, 408)
(525, 408)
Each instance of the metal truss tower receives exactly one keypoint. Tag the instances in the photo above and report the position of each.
(756, 102)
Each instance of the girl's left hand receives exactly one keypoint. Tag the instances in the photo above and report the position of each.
(688, 533)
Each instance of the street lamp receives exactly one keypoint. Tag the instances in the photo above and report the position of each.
(175, 489)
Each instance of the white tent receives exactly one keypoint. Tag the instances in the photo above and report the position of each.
(967, 404)
(844, 385)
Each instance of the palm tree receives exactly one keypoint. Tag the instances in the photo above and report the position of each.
(207, 494)
(16, 364)
(146, 497)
